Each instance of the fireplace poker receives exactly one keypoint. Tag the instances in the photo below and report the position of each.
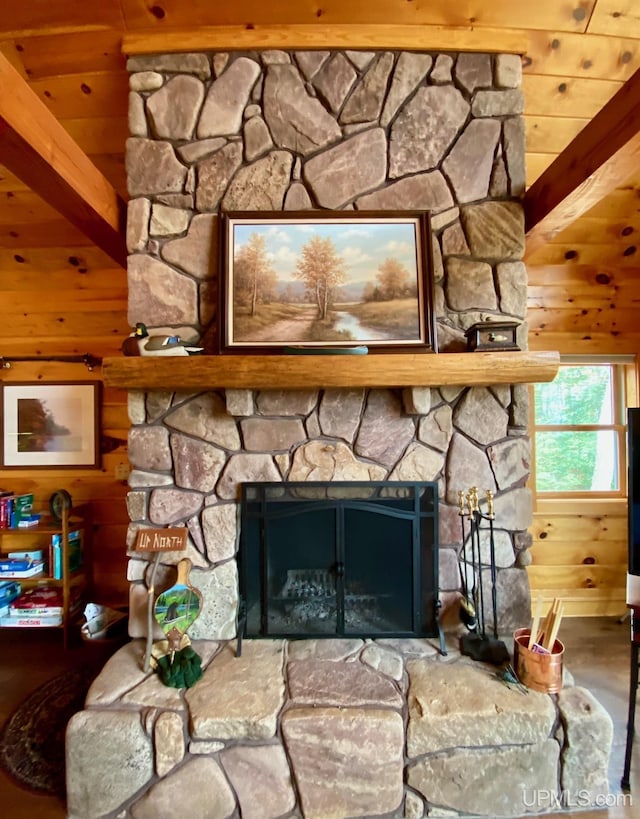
(467, 608)
(474, 516)
(492, 551)
(479, 646)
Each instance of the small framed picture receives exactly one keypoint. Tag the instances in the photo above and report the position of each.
(50, 426)
(326, 279)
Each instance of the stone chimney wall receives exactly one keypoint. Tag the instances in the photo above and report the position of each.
(338, 130)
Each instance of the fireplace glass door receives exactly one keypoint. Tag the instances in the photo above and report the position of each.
(339, 559)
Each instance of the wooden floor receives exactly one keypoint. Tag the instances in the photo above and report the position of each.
(596, 652)
(30, 657)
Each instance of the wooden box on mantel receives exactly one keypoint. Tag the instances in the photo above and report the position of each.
(492, 335)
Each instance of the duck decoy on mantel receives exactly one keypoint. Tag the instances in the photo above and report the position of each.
(141, 343)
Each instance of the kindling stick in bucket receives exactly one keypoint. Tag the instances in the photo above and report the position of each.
(536, 624)
(543, 639)
(537, 652)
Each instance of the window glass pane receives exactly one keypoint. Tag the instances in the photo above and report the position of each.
(576, 461)
(578, 395)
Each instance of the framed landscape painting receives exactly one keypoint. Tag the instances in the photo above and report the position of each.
(326, 280)
(50, 425)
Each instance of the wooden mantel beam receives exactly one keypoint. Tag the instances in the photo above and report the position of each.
(264, 372)
(602, 156)
(37, 149)
(312, 35)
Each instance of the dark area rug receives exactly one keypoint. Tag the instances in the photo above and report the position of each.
(32, 749)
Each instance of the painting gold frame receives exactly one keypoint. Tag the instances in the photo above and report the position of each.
(326, 281)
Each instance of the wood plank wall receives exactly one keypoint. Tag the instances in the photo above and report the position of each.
(582, 307)
(580, 555)
(68, 300)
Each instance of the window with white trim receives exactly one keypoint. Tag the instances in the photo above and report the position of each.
(579, 429)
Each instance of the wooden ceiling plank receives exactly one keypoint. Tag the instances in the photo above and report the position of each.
(559, 96)
(41, 234)
(113, 168)
(572, 274)
(551, 134)
(8, 48)
(543, 14)
(612, 254)
(21, 207)
(58, 16)
(74, 96)
(599, 158)
(371, 36)
(621, 203)
(589, 56)
(9, 181)
(39, 151)
(616, 18)
(536, 165)
(591, 230)
(85, 52)
(595, 297)
(98, 135)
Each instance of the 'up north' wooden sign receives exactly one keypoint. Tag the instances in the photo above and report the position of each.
(162, 540)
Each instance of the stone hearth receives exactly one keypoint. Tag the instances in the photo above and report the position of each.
(329, 729)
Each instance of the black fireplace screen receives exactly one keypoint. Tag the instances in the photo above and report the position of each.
(339, 559)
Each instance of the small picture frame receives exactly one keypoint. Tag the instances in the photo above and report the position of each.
(326, 280)
(50, 426)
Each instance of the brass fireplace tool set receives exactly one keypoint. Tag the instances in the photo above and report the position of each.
(477, 643)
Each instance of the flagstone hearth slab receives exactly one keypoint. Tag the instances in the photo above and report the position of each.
(198, 788)
(467, 705)
(346, 761)
(109, 758)
(589, 734)
(261, 779)
(239, 697)
(123, 672)
(323, 649)
(323, 682)
(488, 781)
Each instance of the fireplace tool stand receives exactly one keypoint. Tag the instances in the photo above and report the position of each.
(477, 644)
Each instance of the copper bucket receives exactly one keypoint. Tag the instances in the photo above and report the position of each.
(541, 672)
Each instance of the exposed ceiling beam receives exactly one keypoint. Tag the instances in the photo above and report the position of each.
(39, 151)
(600, 158)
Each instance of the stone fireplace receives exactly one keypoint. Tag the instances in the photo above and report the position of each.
(330, 130)
(325, 729)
